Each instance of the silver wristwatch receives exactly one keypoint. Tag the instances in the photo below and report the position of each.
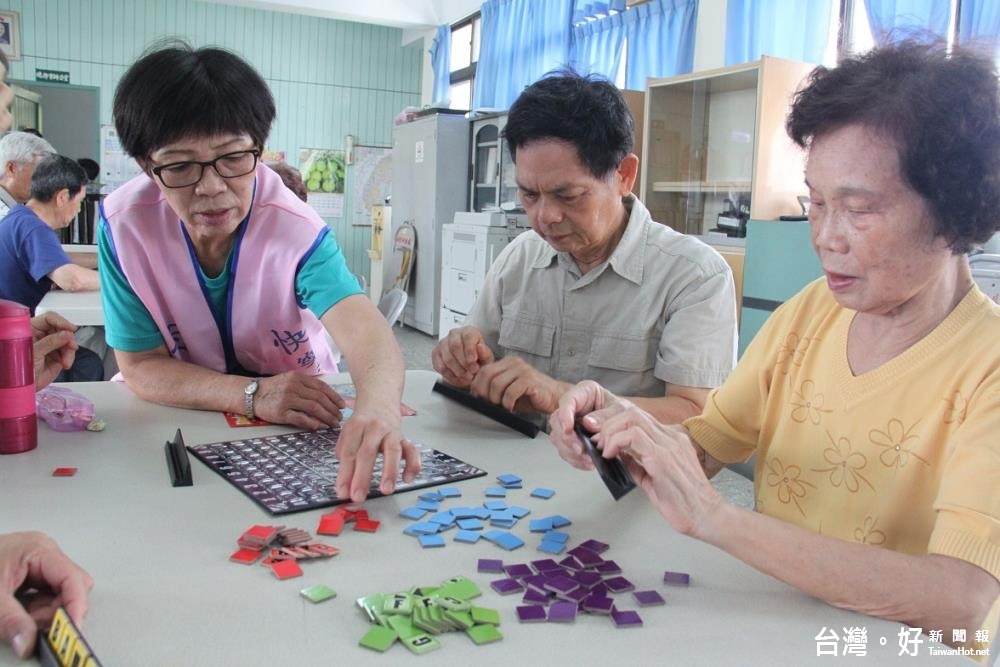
(248, 394)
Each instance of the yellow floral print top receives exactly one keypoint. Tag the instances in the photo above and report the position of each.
(905, 457)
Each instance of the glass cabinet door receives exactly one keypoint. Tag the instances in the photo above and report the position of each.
(486, 167)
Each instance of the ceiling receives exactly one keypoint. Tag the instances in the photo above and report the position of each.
(414, 17)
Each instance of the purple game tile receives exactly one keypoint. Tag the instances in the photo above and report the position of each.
(560, 584)
(677, 578)
(571, 562)
(518, 570)
(536, 582)
(544, 565)
(608, 567)
(598, 604)
(619, 584)
(531, 613)
(600, 588)
(491, 565)
(587, 578)
(532, 596)
(506, 586)
(586, 557)
(595, 546)
(626, 619)
(648, 598)
(562, 612)
(579, 595)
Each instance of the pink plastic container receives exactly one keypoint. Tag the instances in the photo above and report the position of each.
(18, 425)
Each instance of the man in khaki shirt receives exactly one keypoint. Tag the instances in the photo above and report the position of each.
(597, 290)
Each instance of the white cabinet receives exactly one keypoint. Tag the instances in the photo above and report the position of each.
(429, 180)
(468, 253)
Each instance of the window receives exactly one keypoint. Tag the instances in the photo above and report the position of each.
(464, 58)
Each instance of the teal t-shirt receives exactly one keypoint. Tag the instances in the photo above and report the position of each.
(322, 281)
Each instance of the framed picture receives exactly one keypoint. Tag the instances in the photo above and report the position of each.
(10, 34)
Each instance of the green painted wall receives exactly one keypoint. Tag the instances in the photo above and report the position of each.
(329, 78)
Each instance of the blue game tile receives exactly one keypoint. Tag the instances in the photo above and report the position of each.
(444, 518)
(494, 535)
(502, 515)
(542, 492)
(519, 512)
(470, 524)
(449, 492)
(509, 541)
(540, 525)
(427, 541)
(425, 527)
(549, 547)
(463, 512)
(509, 478)
(556, 536)
(431, 497)
(494, 506)
(468, 536)
(484, 512)
(412, 513)
(558, 521)
(503, 523)
(496, 492)
(428, 505)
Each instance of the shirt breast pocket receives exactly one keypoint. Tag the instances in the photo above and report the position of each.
(632, 354)
(525, 336)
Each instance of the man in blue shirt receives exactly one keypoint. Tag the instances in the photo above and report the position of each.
(31, 257)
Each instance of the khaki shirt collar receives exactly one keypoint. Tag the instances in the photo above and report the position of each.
(627, 257)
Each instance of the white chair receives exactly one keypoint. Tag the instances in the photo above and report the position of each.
(391, 305)
(986, 272)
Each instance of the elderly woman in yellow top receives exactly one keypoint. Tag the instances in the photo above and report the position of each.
(871, 398)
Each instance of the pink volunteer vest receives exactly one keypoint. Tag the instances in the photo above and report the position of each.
(270, 331)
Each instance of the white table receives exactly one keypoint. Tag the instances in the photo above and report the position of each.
(166, 593)
(80, 308)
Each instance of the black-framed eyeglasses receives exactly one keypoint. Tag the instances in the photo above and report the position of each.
(187, 173)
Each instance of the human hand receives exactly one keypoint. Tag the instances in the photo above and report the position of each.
(371, 430)
(36, 578)
(518, 386)
(54, 346)
(593, 404)
(663, 461)
(298, 399)
(460, 355)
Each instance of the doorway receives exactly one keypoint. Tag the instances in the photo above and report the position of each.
(70, 117)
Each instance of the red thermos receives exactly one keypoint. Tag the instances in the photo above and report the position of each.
(18, 425)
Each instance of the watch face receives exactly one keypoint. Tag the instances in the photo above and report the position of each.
(251, 388)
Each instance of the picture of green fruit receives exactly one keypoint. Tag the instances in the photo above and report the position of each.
(323, 170)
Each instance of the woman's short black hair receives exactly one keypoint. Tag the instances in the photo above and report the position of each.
(586, 111)
(940, 109)
(175, 91)
(54, 173)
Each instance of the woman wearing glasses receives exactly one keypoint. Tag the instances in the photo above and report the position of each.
(218, 282)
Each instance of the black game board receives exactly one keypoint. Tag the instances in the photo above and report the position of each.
(296, 472)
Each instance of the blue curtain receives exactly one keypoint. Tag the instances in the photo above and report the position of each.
(893, 20)
(793, 30)
(521, 40)
(979, 26)
(660, 37)
(441, 63)
(597, 46)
